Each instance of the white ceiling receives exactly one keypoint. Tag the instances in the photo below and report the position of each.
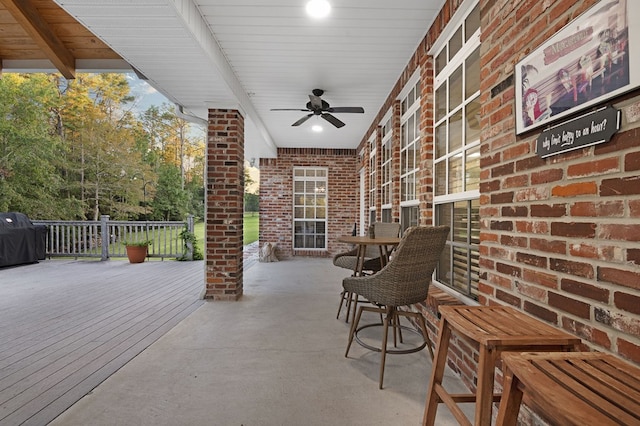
(255, 55)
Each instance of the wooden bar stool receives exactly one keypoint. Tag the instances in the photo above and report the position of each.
(496, 329)
(572, 389)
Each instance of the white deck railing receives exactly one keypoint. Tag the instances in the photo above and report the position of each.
(68, 238)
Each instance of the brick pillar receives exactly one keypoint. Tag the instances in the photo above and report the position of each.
(224, 205)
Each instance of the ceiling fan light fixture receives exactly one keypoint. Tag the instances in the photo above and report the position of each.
(318, 8)
(316, 128)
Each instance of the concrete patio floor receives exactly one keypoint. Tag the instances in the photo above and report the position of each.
(276, 357)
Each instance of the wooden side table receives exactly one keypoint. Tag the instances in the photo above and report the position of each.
(572, 389)
(496, 329)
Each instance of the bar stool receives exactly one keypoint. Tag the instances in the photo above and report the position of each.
(496, 329)
(572, 389)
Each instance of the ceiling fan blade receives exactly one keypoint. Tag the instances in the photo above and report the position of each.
(302, 120)
(316, 102)
(333, 120)
(288, 109)
(359, 110)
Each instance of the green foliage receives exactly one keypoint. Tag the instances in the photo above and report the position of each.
(170, 201)
(30, 151)
(72, 149)
(251, 202)
(143, 243)
(250, 228)
(190, 239)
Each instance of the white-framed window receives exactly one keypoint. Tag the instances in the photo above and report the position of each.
(310, 208)
(373, 171)
(386, 162)
(409, 151)
(457, 147)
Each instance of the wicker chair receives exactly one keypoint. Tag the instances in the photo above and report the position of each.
(403, 281)
(372, 263)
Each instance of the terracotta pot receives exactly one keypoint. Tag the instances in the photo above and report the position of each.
(137, 254)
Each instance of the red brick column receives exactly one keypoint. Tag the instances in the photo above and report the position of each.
(224, 205)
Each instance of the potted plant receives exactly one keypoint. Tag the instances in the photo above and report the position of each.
(137, 250)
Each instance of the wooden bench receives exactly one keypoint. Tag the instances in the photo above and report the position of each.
(495, 329)
(577, 388)
(438, 297)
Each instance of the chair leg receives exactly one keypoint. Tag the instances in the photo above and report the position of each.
(353, 298)
(352, 331)
(342, 295)
(385, 332)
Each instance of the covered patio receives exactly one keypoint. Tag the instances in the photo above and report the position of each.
(159, 355)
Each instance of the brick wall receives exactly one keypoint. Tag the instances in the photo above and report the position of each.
(276, 196)
(559, 235)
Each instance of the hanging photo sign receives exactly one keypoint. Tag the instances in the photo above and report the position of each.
(589, 129)
(593, 59)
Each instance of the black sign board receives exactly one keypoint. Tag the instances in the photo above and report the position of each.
(589, 129)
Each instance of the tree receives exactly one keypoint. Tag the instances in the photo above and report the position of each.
(170, 202)
(103, 149)
(30, 153)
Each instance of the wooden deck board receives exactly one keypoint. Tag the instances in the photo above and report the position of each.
(69, 325)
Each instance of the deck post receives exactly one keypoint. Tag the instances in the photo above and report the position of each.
(106, 238)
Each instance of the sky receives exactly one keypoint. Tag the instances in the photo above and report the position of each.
(144, 93)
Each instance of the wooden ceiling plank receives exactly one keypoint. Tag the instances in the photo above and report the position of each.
(26, 13)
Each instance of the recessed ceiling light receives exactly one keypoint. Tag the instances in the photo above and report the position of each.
(318, 8)
(316, 128)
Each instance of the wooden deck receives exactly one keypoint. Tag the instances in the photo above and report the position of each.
(66, 326)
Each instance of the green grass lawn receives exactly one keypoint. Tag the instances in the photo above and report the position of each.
(251, 222)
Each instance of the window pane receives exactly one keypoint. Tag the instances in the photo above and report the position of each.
(455, 131)
(472, 114)
(441, 178)
(472, 23)
(409, 217)
(455, 43)
(443, 217)
(455, 174)
(441, 102)
(459, 232)
(441, 140)
(455, 89)
(411, 129)
(475, 221)
(472, 73)
(441, 60)
(473, 169)
(411, 157)
(460, 269)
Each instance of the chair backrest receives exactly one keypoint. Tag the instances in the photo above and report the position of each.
(409, 272)
(382, 229)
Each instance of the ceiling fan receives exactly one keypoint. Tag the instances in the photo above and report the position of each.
(318, 106)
